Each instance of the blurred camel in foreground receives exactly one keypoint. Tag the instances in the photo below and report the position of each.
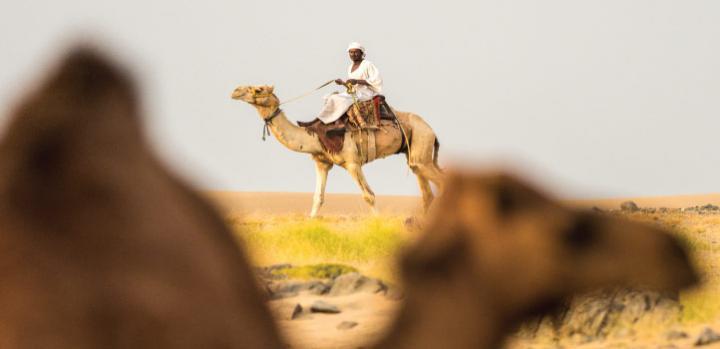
(103, 247)
(496, 252)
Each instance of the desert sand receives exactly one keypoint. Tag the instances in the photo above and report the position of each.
(278, 203)
(372, 313)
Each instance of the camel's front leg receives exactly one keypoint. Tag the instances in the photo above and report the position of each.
(321, 172)
(359, 177)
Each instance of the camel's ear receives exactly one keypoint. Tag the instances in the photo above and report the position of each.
(271, 88)
(85, 105)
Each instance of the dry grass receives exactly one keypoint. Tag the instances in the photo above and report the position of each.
(368, 244)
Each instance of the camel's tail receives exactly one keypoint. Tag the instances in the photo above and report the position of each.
(435, 154)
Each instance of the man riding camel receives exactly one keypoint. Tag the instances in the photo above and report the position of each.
(364, 77)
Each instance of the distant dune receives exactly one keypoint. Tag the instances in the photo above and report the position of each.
(255, 203)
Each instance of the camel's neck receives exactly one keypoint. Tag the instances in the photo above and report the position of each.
(291, 136)
(445, 314)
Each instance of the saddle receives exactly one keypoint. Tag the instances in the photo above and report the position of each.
(363, 115)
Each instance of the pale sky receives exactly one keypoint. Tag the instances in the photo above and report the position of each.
(592, 98)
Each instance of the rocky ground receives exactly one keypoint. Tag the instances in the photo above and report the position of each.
(339, 309)
(334, 306)
(350, 310)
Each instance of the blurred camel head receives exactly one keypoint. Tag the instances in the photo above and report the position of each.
(504, 252)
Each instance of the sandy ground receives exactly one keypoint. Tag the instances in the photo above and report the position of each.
(259, 204)
(372, 313)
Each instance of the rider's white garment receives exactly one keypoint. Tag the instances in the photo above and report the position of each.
(336, 104)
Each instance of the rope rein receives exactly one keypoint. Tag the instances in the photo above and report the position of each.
(307, 93)
(266, 125)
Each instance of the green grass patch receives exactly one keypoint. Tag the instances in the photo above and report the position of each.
(368, 244)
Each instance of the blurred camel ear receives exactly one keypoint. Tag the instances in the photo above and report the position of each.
(271, 88)
(87, 104)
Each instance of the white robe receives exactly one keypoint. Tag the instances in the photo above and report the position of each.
(336, 104)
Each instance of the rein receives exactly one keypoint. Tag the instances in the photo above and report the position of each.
(266, 126)
(307, 93)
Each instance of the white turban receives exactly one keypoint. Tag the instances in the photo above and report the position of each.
(356, 45)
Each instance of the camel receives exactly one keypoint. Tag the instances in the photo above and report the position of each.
(103, 247)
(496, 252)
(422, 156)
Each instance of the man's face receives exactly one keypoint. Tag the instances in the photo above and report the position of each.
(355, 54)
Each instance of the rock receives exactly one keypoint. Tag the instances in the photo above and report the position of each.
(675, 335)
(414, 223)
(291, 288)
(354, 282)
(394, 293)
(710, 207)
(607, 313)
(629, 206)
(324, 307)
(267, 273)
(297, 311)
(346, 325)
(707, 336)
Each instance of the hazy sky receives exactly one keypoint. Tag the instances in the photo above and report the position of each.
(594, 98)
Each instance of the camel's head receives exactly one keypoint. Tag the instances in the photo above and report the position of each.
(261, 96)
(527, 252)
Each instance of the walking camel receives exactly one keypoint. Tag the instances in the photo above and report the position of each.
(103, 247)
(422, 155)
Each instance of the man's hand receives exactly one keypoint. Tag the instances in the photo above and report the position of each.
(357, 82)
(339, 82)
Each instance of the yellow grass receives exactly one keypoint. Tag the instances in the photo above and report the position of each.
(371, 244)
(277, 231)
(368, 244)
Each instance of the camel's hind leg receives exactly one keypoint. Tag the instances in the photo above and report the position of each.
(422, 162)
(431, 173)
(426, 191)
(367, 193)
(422, 156)
(321, 172)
